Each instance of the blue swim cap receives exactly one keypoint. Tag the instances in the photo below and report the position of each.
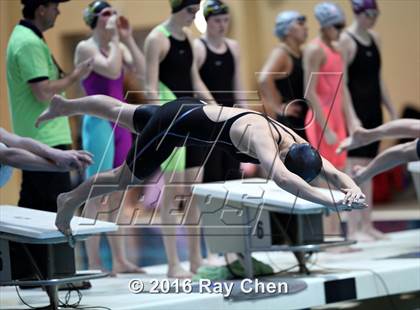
(284, 20)
(328, 14)
(304, 161)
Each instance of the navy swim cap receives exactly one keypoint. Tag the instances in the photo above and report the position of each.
(304, 161)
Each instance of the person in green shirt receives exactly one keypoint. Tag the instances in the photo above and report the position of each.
(33, 77)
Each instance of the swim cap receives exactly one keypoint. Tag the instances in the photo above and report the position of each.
(213, 8)
(90, 14)
(304, 161)
(284, 20)
(178, 5)
(359, 6)
(328, 14)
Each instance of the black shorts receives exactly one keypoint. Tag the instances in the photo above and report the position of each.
(418, 148)
(39, 189)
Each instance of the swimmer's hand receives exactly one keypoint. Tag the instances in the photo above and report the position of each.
(353, 196)
(69, 160)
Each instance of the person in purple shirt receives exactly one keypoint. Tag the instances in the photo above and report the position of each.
(114, 52)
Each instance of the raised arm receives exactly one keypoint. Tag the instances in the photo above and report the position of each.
(132, 55)
(109, 66)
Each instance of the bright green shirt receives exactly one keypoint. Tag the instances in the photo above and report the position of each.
(28, 59)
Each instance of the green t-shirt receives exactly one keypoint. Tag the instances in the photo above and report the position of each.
(29, 58)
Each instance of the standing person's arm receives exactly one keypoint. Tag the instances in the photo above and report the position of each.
(153, 50)
(238, 87)
(386, 99)
(109, 65)
(347, 48)
(312, 60)
(199, 87)
(273, 69)
(33, 63)
(133, 57)
(43, 88)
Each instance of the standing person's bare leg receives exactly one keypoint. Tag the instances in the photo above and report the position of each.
(357, 227)
(120, 263)
(169, 223)
(193, 175)
(91, 209)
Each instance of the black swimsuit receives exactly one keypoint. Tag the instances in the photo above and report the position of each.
(178, 123)
(365, 90)
(218, 73)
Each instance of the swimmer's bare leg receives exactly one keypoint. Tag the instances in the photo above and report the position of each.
(106, 182)
(98, 105)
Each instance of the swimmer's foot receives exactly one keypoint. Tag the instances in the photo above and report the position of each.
(65, 213)
(59, 106)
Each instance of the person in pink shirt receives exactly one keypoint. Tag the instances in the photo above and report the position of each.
(329, 113)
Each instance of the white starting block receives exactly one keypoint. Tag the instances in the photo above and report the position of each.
(414, 168)
(29, 241)
(256, 215)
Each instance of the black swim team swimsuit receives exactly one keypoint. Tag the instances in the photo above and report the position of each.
(178, 123)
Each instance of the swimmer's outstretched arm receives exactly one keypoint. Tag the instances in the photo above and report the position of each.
(267, 153)
(341, 181)
(28, 154)
(400, 128)
(98, 105)
(390, 158)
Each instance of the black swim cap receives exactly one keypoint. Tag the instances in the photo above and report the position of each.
(304, 161)
(178, 5)
(214, 7)
(90, 14)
